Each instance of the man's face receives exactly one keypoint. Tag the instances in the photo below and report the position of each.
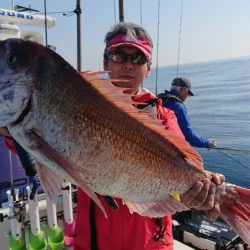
(183, 93)
(134, 73)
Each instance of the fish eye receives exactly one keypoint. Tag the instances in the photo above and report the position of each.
(11, 59)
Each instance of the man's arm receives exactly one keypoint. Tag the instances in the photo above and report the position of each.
(185, 125)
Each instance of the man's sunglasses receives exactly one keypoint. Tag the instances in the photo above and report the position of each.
(121, 57)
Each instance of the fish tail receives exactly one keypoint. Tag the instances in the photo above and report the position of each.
(235, 210)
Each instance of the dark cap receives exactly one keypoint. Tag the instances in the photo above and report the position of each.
(183, 82)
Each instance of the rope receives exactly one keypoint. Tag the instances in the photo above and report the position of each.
(157, 66)
(141, 11)
(115, 11)
(179, 42)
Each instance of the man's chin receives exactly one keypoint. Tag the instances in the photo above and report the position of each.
(130, 89)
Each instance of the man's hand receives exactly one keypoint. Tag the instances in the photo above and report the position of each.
(213, 143)
(202, 196)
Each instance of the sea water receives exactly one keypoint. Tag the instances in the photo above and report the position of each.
(220, 109)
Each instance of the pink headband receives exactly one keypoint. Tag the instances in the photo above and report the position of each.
(123, 40)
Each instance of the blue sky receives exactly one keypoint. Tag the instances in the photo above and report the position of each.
(211, 29)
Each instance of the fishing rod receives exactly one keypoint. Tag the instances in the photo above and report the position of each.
(11, 177)
(221, 149)
(157, 49)
(179, 42)
(16, 216)
(37, 238)
(68, 221)
(245, 151)
(16, 236)
(55, 233)
(230, 157)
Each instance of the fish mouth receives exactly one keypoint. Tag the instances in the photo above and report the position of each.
(23, 114)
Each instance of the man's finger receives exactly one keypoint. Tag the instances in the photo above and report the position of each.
(190, 196)
(201, 198)
(214, 213)
(218, 179)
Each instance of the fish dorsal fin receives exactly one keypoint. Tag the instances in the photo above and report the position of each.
(118, 97)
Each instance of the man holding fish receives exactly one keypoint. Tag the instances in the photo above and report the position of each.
(133, 169)
(127, 56)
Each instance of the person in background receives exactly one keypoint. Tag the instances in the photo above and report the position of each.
(127, 55)
(174, 100)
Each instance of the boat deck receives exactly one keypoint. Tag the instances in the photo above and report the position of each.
(5, 227)
(180, 246)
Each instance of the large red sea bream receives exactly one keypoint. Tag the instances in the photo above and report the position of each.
(84, 129)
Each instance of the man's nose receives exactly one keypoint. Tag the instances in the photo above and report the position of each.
(128, 65)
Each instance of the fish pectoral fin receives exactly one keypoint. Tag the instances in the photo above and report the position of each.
(159, 208)
(57, 158)
(50, 181)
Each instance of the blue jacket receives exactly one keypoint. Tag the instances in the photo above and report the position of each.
(171, 101)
